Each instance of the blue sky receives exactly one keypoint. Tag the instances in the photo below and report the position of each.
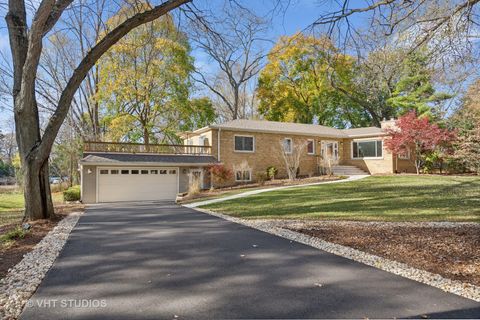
(298, 15)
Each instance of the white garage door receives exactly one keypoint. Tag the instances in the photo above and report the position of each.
(136, 184)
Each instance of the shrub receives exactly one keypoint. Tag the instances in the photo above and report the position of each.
(220, 173)
(72, 194)
(14, 234)
(271, 172)
(261, 177)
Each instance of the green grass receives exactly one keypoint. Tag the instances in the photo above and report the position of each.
(12, 204)
(221, 195)
(380, 198)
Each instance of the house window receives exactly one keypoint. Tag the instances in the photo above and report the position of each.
(287, 145)
(103, 171)
(113, 171)
(172, 172)
(125, 171)
(243, 175)
(367, 149)
(203, 141)
(163, 171)
(244, 143)
(310, 146)
(135, 171)
(144, 171)
(153, 171)
(404, 155)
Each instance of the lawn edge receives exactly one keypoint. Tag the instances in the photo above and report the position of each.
(272, 189)
(463, 289)
(23, 279)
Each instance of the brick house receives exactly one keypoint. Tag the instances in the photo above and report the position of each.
(129, 172)
(259, 144)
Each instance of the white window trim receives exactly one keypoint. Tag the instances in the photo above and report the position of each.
(313, 144)
(244, 151)
(241, 180)
(366, 158)
(291, 145)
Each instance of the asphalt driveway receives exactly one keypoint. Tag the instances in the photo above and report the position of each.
(163, 261)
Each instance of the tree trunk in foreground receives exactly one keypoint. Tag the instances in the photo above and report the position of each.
(26, 45)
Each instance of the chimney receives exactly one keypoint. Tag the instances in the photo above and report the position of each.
(385, 124)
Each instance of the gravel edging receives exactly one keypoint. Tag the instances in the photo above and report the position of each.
(462, 289)
(23, 279)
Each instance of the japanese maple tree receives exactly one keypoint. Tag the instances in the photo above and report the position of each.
(418, 136)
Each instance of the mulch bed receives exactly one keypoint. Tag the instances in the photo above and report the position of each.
(12, 253)
(451, 251)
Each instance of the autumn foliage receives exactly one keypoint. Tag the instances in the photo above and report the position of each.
(418, 136)
(220, 173)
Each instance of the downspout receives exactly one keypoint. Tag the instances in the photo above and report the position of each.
(218, 144)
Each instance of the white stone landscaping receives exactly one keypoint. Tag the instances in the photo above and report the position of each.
(23, 279)
(463, 289)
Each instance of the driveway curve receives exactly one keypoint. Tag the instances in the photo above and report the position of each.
(163, 261)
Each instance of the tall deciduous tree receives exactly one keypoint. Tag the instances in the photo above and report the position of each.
(145, 78)
(296, 83)
(467, 122)
(418, 136)
(233, 42)
(26, 44)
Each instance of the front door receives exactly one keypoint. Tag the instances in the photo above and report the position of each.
(330, 150)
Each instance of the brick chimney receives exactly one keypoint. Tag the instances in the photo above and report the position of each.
(384, 124)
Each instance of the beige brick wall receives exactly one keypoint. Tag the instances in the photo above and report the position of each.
(372, 166)
(267, 152)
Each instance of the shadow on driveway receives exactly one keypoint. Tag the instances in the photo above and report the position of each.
(158, 260)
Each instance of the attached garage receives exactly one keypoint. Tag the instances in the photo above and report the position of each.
(136, 184)
(114, 177)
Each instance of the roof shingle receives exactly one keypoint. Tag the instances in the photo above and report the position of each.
(114, 158)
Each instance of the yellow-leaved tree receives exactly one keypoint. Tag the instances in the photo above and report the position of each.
(296, 83)
(145, 81)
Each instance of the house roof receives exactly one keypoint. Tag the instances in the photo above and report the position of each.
(367, 131)
(146, 159)
(292, 128)
(281, 127)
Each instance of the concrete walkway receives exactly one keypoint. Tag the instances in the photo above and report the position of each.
(252, 192)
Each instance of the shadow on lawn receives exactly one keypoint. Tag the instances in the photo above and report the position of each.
(381, 200)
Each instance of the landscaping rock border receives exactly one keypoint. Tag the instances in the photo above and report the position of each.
(23, 279)
(463, 289)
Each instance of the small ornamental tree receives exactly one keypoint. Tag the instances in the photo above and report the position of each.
(220, 173)
(419, 136)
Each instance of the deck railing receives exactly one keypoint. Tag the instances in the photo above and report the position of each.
(127, 147)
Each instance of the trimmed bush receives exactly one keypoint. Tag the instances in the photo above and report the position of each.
(261, 177)
(72, 194)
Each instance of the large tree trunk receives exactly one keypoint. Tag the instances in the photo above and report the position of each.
(36, 184)
(26, 49)
(38, 198)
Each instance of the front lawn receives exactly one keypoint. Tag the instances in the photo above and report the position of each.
(384, 198)
(12, 204)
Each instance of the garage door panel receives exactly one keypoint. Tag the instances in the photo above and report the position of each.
(114, 186)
